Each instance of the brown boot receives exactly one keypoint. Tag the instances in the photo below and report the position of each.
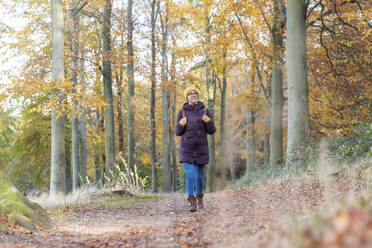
(192, 203)
(200, 201)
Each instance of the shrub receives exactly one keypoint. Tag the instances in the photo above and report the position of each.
(352, 147)
(126, 179)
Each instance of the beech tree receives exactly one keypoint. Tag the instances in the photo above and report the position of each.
(130, 71)
(277, 98)
(107, 85)
(298, 98)
(154, 15)
(58, 163)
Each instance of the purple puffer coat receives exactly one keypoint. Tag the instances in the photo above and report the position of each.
(194, 143)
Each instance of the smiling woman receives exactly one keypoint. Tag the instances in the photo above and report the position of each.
(194, 122)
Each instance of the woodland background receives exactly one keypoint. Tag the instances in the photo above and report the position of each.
(101, 86)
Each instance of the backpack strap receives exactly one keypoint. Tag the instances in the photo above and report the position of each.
(183, 113)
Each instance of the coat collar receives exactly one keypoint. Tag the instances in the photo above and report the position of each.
(197, 106)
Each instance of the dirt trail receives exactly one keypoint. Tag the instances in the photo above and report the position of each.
(232, 218)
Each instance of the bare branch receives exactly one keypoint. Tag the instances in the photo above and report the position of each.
(263, 15)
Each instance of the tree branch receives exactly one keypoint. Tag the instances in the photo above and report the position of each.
(263, 15)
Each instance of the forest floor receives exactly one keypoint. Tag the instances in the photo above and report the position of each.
(261, 216)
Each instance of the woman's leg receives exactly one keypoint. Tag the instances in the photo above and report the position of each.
(199, 179)
(190, 173)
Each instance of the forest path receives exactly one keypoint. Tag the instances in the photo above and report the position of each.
(255, 217)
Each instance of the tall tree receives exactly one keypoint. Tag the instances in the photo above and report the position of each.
(130, 71)
(154, 178)
(167, 176)
(250, 142)
(74, 43)
(173, 117)
(231, 144)
(211, 90)
(223, 110)
(298, 99)
(58, 157)
(82, 119)
(277, 98)
(107, 87)
(119, 56)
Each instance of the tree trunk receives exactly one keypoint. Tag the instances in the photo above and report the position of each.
(119, 82)
(75, 154)
(130, 71)
(211, 87)
(58, 156)
(298, 99)
(107, 92)
(231, 146)
(173, 120)
(210, 83)
(75, 120)
(98, 153)
(68, 165)
(277, 98)
(83, 129)
(267, 149)
(251, 143)
(154, 178)
(222, 123)
(83, 150)
(120, 116)
(167, 176)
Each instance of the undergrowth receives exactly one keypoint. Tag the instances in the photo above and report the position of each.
(99, 199)
(339, 153)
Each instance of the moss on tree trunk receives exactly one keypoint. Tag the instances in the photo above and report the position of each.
(15, 208)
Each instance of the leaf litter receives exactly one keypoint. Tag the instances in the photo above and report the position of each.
(262, 216)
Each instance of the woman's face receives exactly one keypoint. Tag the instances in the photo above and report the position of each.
(193, 97)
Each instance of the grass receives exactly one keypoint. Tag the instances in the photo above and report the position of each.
(116, 201)
(60, 206)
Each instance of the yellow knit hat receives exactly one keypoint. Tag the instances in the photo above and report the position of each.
(187, 91)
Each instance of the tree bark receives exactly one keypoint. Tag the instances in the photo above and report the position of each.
(98, 154)
(68, 164)
(167, 176)
(267, 149)
(58, 156)
(83, 150)
(119, 82)
(120, 116)
(173, 119)
(75, 120)
(75, 153)
(250, 143)
(277, 98)
(154, 177)
(130, 71)
(82, 124)
(211, 90)
(231, 146)
(298, 99)
(222, 122)
(107, 91)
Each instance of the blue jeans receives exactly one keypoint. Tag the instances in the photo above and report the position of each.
(194, 177)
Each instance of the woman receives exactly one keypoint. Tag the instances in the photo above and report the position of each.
(194, 121)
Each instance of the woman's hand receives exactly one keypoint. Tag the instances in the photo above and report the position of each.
(183, 121)
(205, 118)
